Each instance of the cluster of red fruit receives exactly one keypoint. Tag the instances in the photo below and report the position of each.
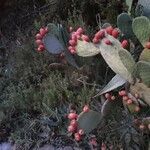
(147, 45)
(73, 125)
(39, 36)
(128, 100)
(78, 35)
(111, 31)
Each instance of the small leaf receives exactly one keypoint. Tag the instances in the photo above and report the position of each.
(89, 120)
(52, 44)
(114, 83)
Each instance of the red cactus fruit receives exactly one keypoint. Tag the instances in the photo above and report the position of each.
(71, 128)
(103, 146)
(124, 44)
(74, 37)
(107, 41)
(79, 31)
(46, 30)
(74, 123)
(115, 33)
(100, 34)
(113, 98)
(41, 48)
(125, 98)
(122, 93)
(72, 116)
(77, 137)
(81, 132)
(109, 30)
(147, 45)
(107, 95)
(137, 109)
(142, 126)
(85, 38)
(136, 95)
(73, 50)
(95, 41)
(70, 29)
(38, 36)
(86, 108)
(39, 42)
(42, 32)
(129, 101)
(72, 42)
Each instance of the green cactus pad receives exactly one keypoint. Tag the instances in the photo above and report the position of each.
(141, 28)
(145, 55)
(113, 57)
(143, 72)
(89, 120)
(86, 49)
(142, 90)
(124, 23)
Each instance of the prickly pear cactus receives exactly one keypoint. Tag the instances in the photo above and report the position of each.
(89, 120)
(124, 23)
(145, 55)
(118, 59)
(141, 28)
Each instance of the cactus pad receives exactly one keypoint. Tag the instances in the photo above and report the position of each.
(89, 120)
(141, 28)
(52, 44)
(124, 23)
(145, 55)
(122, 65)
